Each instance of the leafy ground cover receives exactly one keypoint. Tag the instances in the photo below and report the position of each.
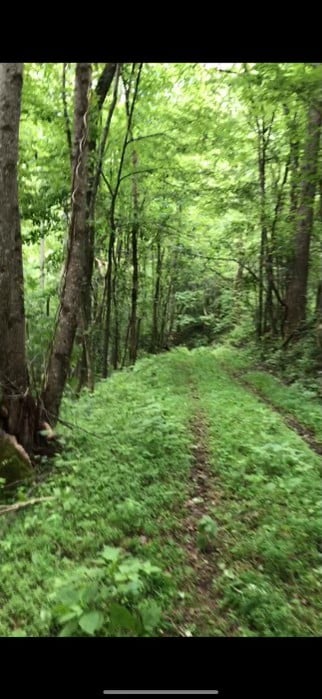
(183, 505)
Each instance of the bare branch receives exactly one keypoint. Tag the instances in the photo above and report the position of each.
(107, 183)
(126, 137)
(139, 172)
(103, 141)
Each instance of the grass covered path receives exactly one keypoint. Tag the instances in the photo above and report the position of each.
(183, 505)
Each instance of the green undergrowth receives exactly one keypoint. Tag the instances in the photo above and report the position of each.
(120, 483)
(268, 514)
(295, 399)
(107, 555)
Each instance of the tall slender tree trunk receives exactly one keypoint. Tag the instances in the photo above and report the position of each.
(297, 288)
(115, 294)
(318, 302)
(108, 296)
(109, 274)
(135, 265)
(155, 340)
(167, 316)
(265, 301)
(42, 261)
(263, 242)
(94, 167)
(71, 294)
(294, 165)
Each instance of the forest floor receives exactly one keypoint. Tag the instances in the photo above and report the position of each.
(187, 503)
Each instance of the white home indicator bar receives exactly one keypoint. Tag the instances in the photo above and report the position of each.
(160, 691)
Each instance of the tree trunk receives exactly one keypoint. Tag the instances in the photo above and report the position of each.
(115, 294)
(109, 273)
(12, 320)
(74, 275)
(155, 340)
(108, 297)
(265, 306)
(18, 409)
(135, 265)
(318, 303)
(94, 167)
(167, 317)
(42, 262)
(297, 288)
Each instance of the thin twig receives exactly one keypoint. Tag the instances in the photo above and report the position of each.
(18, 505)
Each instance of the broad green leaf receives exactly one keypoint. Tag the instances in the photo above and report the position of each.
(150, 614)
(91, 622)
(69, 629)
(68, 596)
(89, 593)
(72, 614)
(111, 553)
(122, 619)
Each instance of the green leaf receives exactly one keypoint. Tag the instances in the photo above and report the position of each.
(150, 614)
(89, 593)
(68, 596)
(91, 622)
(45, 615)
(122, 619)
(134, 587)
(111, 553)
(131, 566)
(270, 486)
(149, 568)
(69, 629)
(72, 614)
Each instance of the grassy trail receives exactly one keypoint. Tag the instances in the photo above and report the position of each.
(191, 509)
(199, 547)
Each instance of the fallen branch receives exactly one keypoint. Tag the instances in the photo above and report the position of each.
(18, 505)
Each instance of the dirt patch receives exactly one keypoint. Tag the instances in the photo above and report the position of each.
(203, 497)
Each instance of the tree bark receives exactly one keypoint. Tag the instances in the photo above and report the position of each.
(94, 173)
(74, 275)
(18, 409)
(265, 259)
(12, 319)
(297, 288)
(114, 193)
(115, 294)
(155, 340)
(135, 265)
(263, 241)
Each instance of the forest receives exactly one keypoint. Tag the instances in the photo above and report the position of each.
(161, 349)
